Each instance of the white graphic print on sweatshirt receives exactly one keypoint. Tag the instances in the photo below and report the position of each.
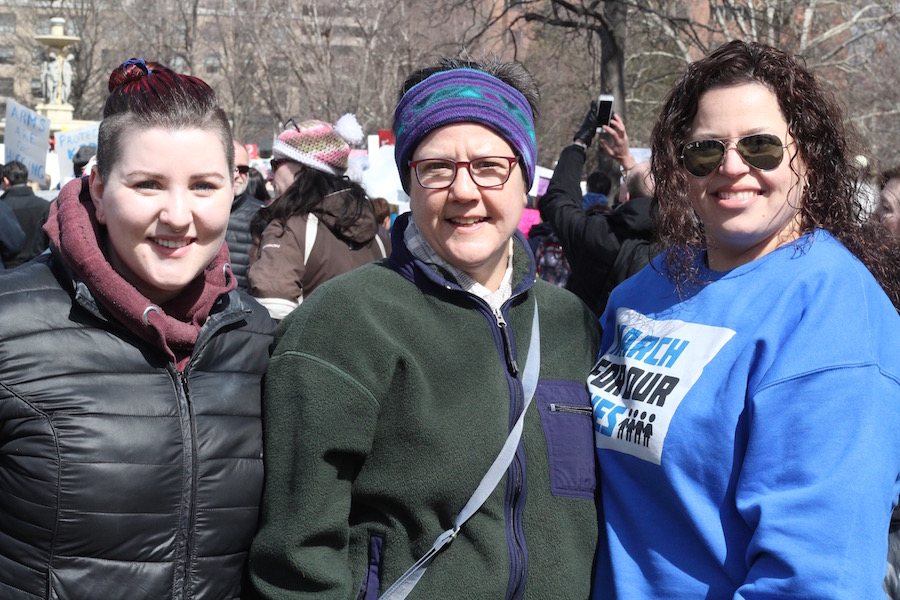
(637, 386)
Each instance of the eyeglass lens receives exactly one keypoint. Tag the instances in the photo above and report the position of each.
(438, 173)
(762, 151)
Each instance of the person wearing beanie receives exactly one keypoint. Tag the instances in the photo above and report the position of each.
(81, 158)
(321, 223)
(394, 387)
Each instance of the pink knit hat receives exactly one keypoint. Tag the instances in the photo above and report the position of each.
(318, 144)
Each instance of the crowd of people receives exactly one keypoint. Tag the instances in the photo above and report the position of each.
(208, 391)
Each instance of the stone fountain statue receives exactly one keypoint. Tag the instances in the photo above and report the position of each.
(50, 79)
(57, 72)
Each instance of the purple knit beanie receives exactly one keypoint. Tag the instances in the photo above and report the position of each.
(464, 96)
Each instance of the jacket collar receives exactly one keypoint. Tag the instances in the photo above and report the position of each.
(426, 275)
(19, 190)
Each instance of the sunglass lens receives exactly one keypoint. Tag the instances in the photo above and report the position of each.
(703, 156)
(762, 151)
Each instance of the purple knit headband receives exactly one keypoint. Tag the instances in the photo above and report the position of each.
(464, 96)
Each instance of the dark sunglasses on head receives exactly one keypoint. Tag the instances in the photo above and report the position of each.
(242, 169)
(762, 151)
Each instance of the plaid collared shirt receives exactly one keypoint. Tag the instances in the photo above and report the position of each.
(423, 251)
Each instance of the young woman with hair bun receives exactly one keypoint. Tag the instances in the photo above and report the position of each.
(130, 367)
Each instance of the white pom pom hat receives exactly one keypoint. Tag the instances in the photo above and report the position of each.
(318, 144)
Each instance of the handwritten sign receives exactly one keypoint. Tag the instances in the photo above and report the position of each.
(67, 144)
(26, 139)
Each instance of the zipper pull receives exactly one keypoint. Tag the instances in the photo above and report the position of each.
(507, 347)
(183, 379)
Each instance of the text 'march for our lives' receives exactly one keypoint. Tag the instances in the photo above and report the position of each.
(637, 386)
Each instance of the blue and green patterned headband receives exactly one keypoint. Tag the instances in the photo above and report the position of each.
(464, 96)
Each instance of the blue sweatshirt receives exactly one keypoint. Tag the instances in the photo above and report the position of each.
(748, 436)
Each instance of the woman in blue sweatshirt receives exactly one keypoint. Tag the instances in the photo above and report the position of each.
(747, 395)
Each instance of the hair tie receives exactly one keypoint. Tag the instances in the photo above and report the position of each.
(136, 61)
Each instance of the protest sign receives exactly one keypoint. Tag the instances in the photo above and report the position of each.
(67, 144)
(26, 140)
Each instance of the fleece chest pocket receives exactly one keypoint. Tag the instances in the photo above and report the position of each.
(568, 422)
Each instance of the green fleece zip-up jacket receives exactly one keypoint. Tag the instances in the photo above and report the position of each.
(389, 395)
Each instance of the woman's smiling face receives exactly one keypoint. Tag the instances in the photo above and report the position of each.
(746, 212)
(469, 226)
(165, 204)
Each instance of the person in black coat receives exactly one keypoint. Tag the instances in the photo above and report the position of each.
(131, 370)
(244, 207)
(12, 238)
(602, 249)
(30, 210)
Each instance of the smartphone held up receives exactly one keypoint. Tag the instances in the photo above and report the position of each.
(604, 109)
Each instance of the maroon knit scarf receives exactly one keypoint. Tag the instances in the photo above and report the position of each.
(172, 327)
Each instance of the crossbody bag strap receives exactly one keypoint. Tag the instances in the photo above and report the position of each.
(404, 585)
(380, 245)
(312, 229)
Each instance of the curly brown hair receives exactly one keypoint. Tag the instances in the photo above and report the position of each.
(831, 199)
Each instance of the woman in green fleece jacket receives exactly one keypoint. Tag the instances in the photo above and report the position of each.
(393, 388)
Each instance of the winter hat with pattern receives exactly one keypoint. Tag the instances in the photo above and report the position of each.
(464, 96)
(318, 144)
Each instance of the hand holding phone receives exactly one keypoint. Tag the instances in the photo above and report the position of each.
(604, 109)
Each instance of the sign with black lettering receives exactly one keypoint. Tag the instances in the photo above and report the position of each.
(637, 386)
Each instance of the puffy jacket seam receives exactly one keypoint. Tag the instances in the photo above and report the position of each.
(49, 420)
(4, 584)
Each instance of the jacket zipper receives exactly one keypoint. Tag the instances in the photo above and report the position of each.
(569, 408)
(517, 557)
(214, 324)
(511, 363)
(187, 591)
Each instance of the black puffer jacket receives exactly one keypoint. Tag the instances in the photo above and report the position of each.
(238, 237)
(119, 476)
